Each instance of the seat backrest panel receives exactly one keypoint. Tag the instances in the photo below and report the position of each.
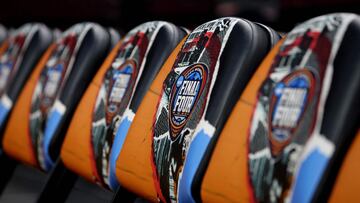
(207, 62)
(271, 150)
(47, 85)
(117, 89)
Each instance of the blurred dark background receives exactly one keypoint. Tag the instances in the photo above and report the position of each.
(125, 14)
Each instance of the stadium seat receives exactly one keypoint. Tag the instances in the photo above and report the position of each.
(24, 48)
(58, 81)
(19, 53)
(193, 93)
(286, 137)
(52, 92)
(114, 93)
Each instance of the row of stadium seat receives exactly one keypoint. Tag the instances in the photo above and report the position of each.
(228, 112)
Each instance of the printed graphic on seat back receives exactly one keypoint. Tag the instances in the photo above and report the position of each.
(38, 97)
(25, 46)
(285, 129)
(208, 63)
(115, 91)
(10, 57)
(185, 91)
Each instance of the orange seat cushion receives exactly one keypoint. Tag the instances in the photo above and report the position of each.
(76, 151)
(133, 167)
(17, 139)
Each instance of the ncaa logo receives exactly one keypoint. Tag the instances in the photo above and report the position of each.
(120, 81)
(185, 94)
(289, 100)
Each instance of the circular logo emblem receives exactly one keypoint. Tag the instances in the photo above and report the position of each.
(120, 80)
(185, 93)
(9, 59)
(53, 75)
(289, 100)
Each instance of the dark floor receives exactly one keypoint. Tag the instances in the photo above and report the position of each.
(26, 184)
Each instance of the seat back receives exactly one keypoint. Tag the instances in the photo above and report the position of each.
(195, 89)
(24, 47)
(284, 139)
(57, 82)
(115, 93)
